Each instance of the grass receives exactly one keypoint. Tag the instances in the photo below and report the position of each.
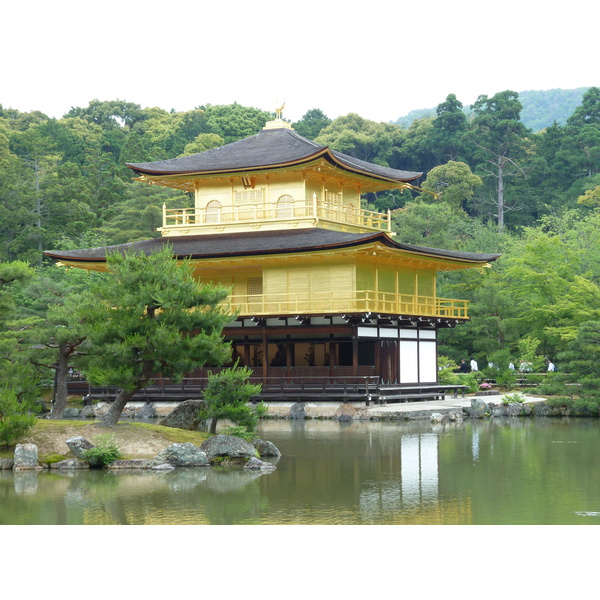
(48, 433)
(177, 436)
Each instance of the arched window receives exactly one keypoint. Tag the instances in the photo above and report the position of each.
(213, 212)
(285, 207)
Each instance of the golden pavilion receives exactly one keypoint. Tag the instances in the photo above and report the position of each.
(327, 297)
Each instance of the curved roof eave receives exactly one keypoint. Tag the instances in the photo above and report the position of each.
(337, 159)
(267, 150)
(223, 246)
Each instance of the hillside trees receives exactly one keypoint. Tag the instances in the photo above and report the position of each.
(450, 130)
(312, 123)
(452, 182)
(361, 138)
(18, 388)
(500, 138)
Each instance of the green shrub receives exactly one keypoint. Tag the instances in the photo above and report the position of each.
(15, 417)
(513, 398)
(586, 407)
(228, 395)
(552, 386)
(239, 431)
(560, 402)
(506, 378)
(104, 452)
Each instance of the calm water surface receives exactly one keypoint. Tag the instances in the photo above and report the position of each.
(516, 471)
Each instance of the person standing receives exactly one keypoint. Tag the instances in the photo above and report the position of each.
(464, 367)
(474, 366)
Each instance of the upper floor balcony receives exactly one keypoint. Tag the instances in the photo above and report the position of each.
(285, 213)
(336, 302)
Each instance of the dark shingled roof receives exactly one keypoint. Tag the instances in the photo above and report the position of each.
(228, 245)
(268, 149)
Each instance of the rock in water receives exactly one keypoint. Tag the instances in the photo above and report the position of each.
(266, 448)
(298, 411)
(26, 458)
(227, 446)
(181, 455)
(258, 465)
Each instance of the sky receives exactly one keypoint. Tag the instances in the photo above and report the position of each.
(380, 59)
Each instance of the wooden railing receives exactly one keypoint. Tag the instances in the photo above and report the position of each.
(273, 212)
(363, 388)
(335, 302)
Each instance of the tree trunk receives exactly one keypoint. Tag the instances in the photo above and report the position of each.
(500, 196)
(116, 409)
(60, 391)
(213, 425)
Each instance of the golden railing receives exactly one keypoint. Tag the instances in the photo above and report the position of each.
(276, 212)
(333, 302)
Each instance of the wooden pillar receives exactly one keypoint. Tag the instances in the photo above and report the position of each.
(332, 359)
(355, 357)
(289, 358)
(265, 347)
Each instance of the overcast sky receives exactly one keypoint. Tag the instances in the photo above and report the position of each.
(380, 59)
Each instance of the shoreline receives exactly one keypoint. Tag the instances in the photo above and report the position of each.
(477, 406)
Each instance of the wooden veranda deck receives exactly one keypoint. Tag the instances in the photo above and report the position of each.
(368, 389)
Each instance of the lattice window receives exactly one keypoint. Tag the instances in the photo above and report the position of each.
(248, 197)
(333, 197)
(255, 286)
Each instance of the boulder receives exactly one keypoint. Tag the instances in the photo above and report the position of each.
(438, 418)
(345, 412)
(228, 446)
(258, 465)
(180, 455)
(478, 409)
(71, 413)
(78, 445)
(26, 458)
(298, 411)
(87, 412)
(265, 448)
(500, 411)
(148, 411)
(455, 416)
(70, 464)
(185, 416)
(541, 409)
(6, 464)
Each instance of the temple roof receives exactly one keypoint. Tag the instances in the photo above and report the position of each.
(267, 150)
(261, 243)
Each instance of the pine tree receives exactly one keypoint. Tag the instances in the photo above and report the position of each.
(151, 317)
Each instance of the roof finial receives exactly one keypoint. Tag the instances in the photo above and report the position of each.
(278, 123)
(278, 111)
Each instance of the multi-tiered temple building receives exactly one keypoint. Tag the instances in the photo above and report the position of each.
(325, 292)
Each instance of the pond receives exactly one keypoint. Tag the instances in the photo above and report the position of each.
(513, 471)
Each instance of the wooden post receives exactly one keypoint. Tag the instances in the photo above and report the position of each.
(288, 358)
(332, 360)
(265, 345)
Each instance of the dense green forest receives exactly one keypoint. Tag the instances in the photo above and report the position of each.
(491, 184)
(541, 108)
